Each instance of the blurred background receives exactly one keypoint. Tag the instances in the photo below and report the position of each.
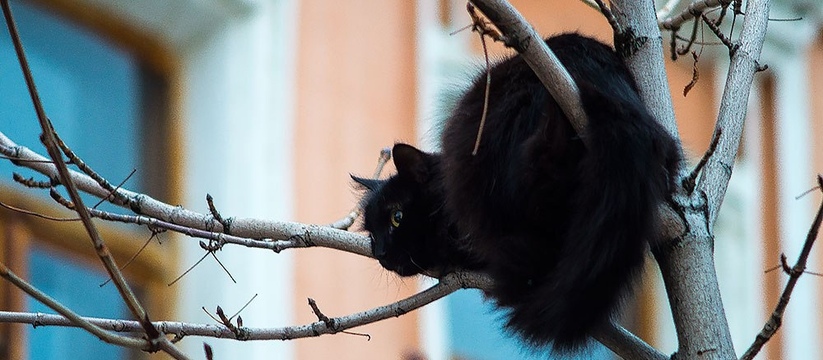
(269, 105)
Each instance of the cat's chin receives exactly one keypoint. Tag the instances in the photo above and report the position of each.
(401, 269)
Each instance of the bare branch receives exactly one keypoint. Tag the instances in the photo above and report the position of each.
(626, 344)
(773, 324)
(447, 285)
(733, 105)
(247, 232)
(685, 259)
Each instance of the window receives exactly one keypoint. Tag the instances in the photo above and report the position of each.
(112, 106)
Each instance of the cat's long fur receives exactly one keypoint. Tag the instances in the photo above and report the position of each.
(561, 228)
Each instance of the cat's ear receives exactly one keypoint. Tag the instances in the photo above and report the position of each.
(369, 184)
(410, 162)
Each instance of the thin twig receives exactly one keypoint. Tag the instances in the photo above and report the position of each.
(689, 42)
(719, 33)
(134, 256)
(188, 270)
(485, 96)
(214, 212)
(482, 28)
(689, 182)
(35, 214)
(113, 191)
(244, 306)
(86, 169)
(607, 13)
(774, 322)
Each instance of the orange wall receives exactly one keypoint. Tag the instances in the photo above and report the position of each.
(355, 95)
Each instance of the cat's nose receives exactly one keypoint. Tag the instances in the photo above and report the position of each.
(378, 249)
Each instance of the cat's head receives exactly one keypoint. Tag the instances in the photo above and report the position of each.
(399, 213)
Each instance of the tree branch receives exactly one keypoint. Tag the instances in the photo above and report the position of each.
(447, 285)
(714, 179)
(694, 9)
(627, 345)
(245, 231)
(687, 263)
(645, 60)
(773, 324)
(522, 37)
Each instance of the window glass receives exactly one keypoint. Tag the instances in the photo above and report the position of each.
(89, 90)
(77, 286)
(476, 331)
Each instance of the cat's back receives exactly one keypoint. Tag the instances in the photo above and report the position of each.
(527, 152)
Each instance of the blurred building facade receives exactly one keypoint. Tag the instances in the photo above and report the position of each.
(269, 106)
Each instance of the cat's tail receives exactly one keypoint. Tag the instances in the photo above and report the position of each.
(623, 176)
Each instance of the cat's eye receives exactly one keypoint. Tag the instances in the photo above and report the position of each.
(396, 216)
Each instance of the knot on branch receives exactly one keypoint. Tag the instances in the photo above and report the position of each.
(330, 323)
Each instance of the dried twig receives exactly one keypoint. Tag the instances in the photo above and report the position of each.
(482, 28)
(689, 42)
(719, 33)
(695, 75)
(773, 324)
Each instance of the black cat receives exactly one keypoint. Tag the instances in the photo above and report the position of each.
(561, 227)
